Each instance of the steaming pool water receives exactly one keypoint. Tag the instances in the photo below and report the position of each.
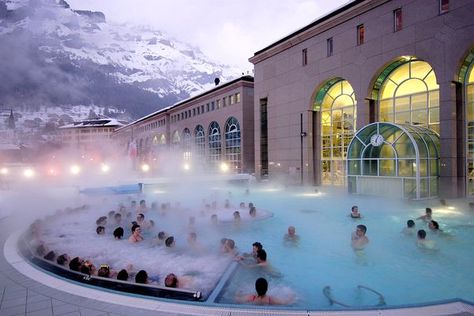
(391, 264)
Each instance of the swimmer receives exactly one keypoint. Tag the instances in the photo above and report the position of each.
(101, 221)
(63, 260)
(193, 242)
(50, 256)
(214, 219)
(253, 212)
(229, 247)
(75, 264)
(105, 272)
(169, 242)
(226, 204)
(428, 215)
(261, 261)
(410, 229)
(355, 212)
(358, 238)
(100, 230)
(142, 208)
(118, 218)
(261, 298)
(236, 217)
(136, 234)
(118, 233)
(141, 277)
(242, 205)
(122, 275)
(291, 234)
(88, 268)
(173, 281)
(424, 243)
(160, 238)
(111, 214)
(434, 226)
(256, 246)
(133, 206)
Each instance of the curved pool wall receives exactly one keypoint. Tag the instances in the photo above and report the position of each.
(218, 294)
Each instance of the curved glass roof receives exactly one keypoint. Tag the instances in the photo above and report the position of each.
(399, 141)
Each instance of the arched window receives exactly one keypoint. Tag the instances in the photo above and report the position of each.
(187, 144)
(200, 141)
(232, 144)
(214, 144)
(338, 120)
(469, 82)
(409, 94)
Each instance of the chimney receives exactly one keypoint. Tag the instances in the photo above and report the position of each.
(217, 81)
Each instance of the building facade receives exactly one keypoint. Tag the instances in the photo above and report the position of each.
(204, 131)
(406, 62)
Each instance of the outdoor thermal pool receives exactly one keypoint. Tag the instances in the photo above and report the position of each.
(391, 263)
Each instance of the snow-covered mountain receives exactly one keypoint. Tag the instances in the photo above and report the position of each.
(53, 55)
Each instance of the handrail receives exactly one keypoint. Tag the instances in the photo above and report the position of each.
(332, 300)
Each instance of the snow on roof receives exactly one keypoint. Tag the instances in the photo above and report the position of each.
(95, 123)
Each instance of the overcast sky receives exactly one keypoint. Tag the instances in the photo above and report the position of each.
(228, 31)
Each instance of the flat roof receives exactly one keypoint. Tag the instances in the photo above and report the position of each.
(313, 24)
(246, 78)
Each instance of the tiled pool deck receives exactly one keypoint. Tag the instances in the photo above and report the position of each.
(21, 294)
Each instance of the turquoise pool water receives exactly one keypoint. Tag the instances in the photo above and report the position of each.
(391, 263)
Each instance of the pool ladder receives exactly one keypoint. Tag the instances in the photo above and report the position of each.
(327, 293)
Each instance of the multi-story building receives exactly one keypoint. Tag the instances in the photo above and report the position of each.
(208, 129)
(405, 63)
(88, 134)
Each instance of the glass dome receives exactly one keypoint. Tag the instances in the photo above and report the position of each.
(398, 160)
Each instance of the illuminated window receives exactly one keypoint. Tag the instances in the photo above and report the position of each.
(410, 95)
(304, 57)
(397, 20)
(232, 144)
(338, 118)
(443, 6)
(360, 34)
(237, 97)
(329, 47)
(215, 148)
(470, 127)
(218, 104)
(187, 144)
(200, 141)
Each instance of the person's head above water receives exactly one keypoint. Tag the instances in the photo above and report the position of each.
(362, 229)
(433, 225)
(169, 242)
(118, 233)
(171, 280)
(261, 255)
(261, 286)
(410, 223)
(421, 234)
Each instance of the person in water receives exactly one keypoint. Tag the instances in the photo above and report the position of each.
(291, 234)
(136, 234)
(410, 229)
(428, 216)
(424, 243)
(261, 297)
(358, 238)
(355, 212)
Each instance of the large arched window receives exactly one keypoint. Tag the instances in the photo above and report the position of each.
(187, 144)
(409, 94)
(468, 78)
(214, 144)
(338, 120)
(232, 144)
(200, 141)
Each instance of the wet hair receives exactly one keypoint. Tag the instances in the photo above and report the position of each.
(428, 210)
(133, 203)
(421, 234)
(134, 227)
(118, 216)
(230, 243)
(253, 211)
(236, 214)
(257, 245)
(100, 230)
(354, 207)
(122, 275)
(85, 269)
(261, 286)
(50, 256)
(62, 259)
(262, 255)
(101, 220)
(169, 241)
(223, 241)
(75, 264)
(214, 217)
(111, 213)
(118, 233)
(140, 215)
(435, 224)
(410, 223)
(362, 228)
(171, 280)
(141, 277)
(41, 250)
(104, 271)
(142, 202)
(250, 205)
(161, 235)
